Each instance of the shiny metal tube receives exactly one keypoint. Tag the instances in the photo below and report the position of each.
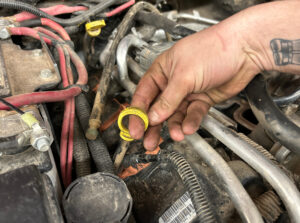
(240, 198)
(286, 189)
(135, 67)
(285, 100)
(122, 51)
(196, 18)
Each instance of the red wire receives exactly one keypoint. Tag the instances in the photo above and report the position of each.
(53, 10)
(66, 119)
(56, 27)
(71, 126)
(48, 33)
(25, 31)
(64, 140)
(120, 8)
(71, 142)
(41, 97)
(67, 134)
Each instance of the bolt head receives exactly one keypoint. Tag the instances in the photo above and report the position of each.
(46, 73)
(37, 53)
(4, 34)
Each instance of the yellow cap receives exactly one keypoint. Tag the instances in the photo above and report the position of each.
(94, 28)
(124, 134)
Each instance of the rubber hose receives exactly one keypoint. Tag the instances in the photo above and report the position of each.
(11, 4)
(190, 181)
(97, 147)
(271, 117)
(81, 152)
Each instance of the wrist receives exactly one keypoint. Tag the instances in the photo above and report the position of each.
(270, 37)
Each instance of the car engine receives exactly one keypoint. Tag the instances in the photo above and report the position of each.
(68, 70)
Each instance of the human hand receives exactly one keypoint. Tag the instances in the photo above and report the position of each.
(197, 72)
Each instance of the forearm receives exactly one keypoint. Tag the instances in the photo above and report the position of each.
(270, 35)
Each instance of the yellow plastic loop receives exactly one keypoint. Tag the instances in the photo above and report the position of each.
(94, 28)
(29, 119)
(124, 134)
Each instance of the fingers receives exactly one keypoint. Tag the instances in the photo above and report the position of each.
(147, 90)
(195, 112)
(175, 122)
(152, 137)
(167, 102)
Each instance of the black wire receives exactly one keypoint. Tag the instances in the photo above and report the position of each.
(12, 106)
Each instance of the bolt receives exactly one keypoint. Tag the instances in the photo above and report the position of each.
(37, 53)
(4, 34)
(46, 73)
(42, 145)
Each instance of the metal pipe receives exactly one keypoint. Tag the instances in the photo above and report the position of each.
(241, 199)
(196, 18)
(122, 51)
(281, 183)
(135, 67)
(285, 100)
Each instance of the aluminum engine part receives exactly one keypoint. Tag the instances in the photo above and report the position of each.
(148, 54)
(11, 125)
(24, 71)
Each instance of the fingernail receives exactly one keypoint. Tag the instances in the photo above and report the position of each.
(153, 116)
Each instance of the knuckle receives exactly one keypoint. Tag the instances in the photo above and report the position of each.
(164, 103)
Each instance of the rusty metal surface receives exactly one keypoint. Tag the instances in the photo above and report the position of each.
(23, 69)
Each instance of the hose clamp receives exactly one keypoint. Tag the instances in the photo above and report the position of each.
(124, 133)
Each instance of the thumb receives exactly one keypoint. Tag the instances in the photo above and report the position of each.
(167, 102)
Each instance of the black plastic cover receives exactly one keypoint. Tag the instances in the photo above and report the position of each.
(25, 196)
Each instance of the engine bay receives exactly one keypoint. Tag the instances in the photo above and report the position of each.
(68, 71)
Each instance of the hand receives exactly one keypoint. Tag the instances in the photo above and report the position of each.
(197, 72)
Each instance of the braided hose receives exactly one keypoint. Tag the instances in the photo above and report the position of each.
(267, 154)
(81, 152)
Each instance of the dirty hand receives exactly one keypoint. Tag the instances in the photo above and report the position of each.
(200, 71)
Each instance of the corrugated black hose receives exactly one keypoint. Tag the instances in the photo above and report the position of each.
(201, 203)
(97, 147)
(21, 6)
(81, 152)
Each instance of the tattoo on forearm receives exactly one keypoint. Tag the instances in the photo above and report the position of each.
(286, 51)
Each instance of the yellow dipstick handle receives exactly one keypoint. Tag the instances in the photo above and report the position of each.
(124, 134)
(94, 28)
